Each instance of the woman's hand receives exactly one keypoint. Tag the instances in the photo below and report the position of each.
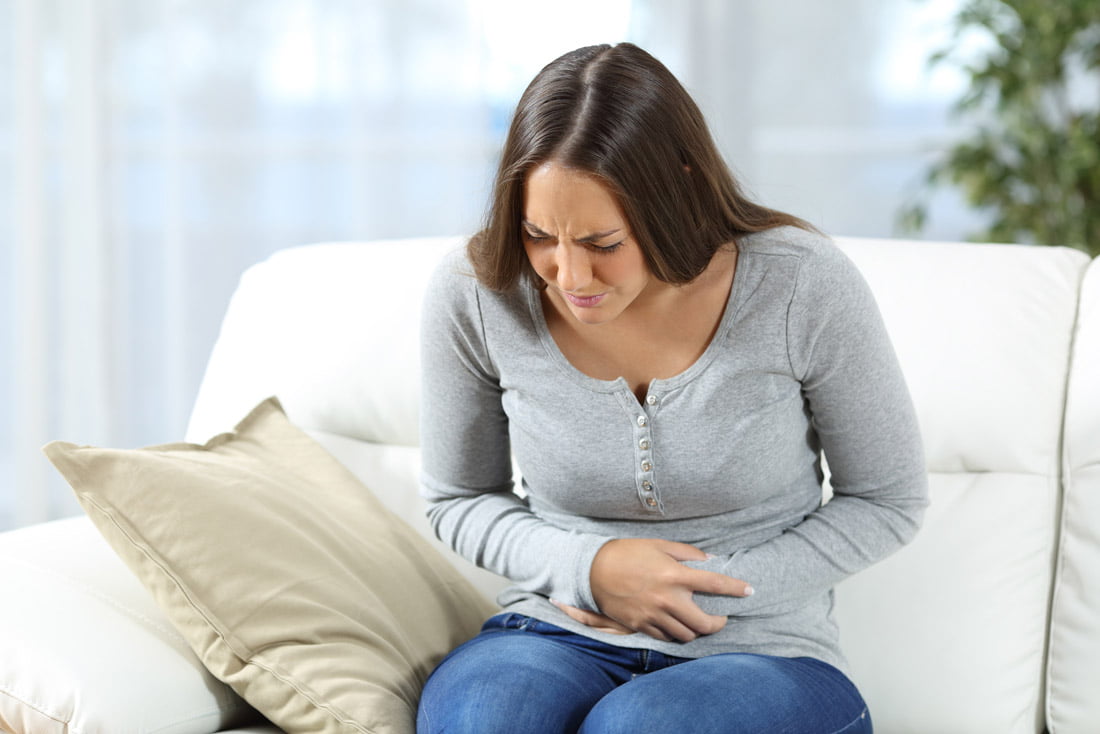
(641, 585)
(595, 620)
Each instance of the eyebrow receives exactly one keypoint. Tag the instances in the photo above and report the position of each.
(587, 239)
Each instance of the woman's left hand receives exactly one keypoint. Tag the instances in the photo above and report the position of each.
(595, 620)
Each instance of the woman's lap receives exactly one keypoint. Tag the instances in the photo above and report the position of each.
(508, 680)
(735, 692)
(521, 675)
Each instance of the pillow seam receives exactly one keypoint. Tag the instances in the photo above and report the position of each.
(251, 658)
(144, 548)
(336, 713)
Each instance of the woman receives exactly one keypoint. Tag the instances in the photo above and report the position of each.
(667, 361)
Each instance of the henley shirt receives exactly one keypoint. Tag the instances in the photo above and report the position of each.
(725, 456)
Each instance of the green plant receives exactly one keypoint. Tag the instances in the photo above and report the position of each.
(1032, 160)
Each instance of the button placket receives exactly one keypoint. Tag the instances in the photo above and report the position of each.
(647, 489)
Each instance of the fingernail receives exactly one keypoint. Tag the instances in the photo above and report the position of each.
(711, 556)
(748, 591)
(555, 602)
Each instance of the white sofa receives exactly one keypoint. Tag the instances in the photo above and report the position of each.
(988, 623)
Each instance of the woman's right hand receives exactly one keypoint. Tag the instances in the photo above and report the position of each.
(642, 584)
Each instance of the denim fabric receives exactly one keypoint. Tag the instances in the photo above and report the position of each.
(523, 675)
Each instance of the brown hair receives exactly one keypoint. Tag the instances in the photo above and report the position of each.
(617, 113)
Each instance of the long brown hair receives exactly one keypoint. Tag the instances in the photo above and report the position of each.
(619, 114)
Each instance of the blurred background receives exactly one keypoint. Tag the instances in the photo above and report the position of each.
(150, 150)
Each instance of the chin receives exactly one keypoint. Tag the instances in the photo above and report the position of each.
(592, 316)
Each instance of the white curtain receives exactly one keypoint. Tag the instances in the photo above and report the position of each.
(150, 150)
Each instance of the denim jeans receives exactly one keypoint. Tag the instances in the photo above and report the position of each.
(521, 675)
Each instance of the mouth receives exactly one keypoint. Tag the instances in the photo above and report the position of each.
(583, 301)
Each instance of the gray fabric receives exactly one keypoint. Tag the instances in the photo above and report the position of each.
(800, 364)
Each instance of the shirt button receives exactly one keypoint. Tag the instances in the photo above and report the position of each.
(647, 486)
(651, 502)
(651, 399)
(643, 444)
(642, 421)
(646, 466)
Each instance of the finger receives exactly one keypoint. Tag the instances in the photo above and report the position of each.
(683, 551)
(684, 620)
(612, 627)
(671, 628)
(701, 623)
(594, 620)
(581, 615)
(711, 582)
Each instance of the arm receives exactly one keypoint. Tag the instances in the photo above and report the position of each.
(863, 418)
(467, 470)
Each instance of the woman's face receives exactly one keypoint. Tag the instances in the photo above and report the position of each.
(577, 240)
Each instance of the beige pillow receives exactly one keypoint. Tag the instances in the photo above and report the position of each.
(290, 581)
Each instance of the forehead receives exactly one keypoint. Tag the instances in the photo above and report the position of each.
(557, 191)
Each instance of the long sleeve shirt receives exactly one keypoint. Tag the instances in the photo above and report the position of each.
(725, 456)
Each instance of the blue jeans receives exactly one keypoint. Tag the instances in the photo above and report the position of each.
(523, 675)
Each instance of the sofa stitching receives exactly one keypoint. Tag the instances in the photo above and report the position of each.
(164, 629)
(38, 706)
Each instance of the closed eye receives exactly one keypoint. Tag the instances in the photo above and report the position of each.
(535, 235)
(608, 249)
(532, 237)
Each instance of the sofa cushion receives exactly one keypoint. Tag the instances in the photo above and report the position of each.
(286, 576)
(81, 638)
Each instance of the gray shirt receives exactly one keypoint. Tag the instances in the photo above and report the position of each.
(725, 456)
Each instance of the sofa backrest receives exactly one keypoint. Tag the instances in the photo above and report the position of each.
(950, 634)
(332, 328)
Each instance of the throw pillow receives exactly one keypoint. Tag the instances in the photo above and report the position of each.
(291, 582)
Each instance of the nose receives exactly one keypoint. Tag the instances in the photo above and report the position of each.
(574, 268)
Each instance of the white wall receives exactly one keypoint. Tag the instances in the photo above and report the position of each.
(151, 149)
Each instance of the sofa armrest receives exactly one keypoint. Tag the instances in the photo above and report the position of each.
(1073, 674)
